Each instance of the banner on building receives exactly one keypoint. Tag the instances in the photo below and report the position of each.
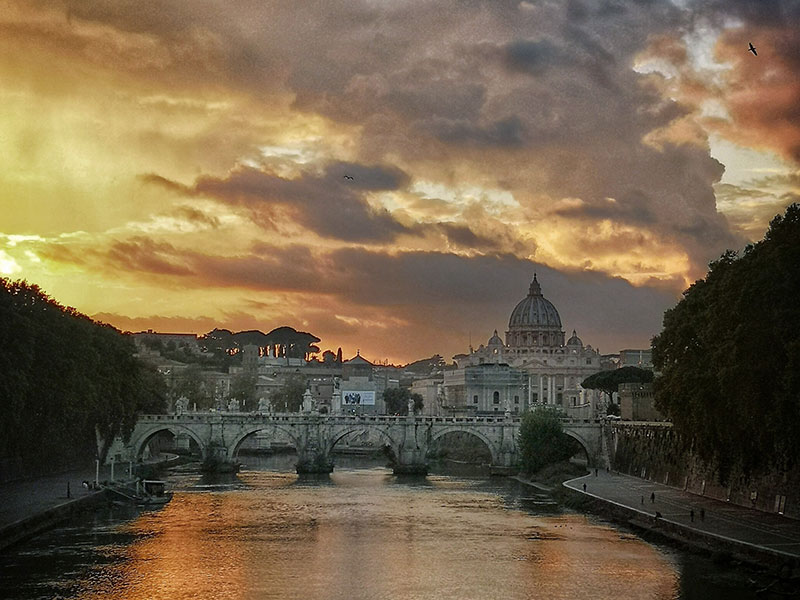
(353, 397)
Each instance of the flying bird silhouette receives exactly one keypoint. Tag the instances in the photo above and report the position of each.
(753, 49)
(350, 177)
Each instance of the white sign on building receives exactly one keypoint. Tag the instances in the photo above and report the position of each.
(353, 397)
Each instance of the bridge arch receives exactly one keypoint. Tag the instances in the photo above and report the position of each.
(476, 432)
(341, 432)
(233, 448)
(138, 444)
(587, 448)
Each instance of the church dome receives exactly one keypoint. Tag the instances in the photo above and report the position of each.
(495, 340)
(575, 340)
(534, 311)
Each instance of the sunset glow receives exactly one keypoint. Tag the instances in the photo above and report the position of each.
(181, 166)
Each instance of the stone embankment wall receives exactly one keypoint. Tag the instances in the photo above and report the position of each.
(35, 524)
(653, 451)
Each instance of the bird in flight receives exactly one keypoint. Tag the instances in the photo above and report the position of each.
(753, 49)
(350, 177)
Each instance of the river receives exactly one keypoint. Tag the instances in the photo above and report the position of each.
(359, 534)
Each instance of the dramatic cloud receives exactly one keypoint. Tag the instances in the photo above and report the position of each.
(329, 205)
(391, 172)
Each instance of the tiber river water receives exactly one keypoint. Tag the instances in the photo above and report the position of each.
(359, 534)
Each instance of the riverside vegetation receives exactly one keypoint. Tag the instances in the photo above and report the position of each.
(65, 378)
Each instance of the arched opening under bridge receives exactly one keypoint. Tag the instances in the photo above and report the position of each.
(159, 443)
(269, 447)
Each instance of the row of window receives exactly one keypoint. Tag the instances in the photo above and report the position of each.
(495, 398)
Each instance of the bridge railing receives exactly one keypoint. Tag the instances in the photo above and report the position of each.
(295, 417)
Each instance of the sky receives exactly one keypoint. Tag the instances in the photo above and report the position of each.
(181, 165)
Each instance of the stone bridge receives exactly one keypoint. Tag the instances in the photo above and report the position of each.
(219, 436)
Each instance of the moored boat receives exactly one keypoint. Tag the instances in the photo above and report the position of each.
(147, 492)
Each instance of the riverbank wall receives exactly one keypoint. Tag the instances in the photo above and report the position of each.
(779, 563)
(653, 451)
(35, 524)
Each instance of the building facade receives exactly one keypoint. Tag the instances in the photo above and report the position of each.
(537, 365)
(637, 402)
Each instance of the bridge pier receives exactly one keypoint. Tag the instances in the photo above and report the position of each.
(411, 456)
(313, 453)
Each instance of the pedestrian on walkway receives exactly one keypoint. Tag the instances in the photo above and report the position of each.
(691, 515)
(652, 497)
(584, 487)
(642, 499)
(595, 471)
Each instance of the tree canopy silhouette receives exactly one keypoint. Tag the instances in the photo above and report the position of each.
(729, 356)
(65, 377)
(609, 381)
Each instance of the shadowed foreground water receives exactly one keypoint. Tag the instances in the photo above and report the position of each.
(360, 534)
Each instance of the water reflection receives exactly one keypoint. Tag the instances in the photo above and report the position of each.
(351, 535)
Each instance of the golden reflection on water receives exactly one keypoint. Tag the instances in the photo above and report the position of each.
(365, 535)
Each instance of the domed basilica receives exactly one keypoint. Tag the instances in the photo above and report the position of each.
(533, 367)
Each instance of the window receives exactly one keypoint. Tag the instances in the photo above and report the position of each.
(516, 399)
(496, 398)
(559, 397)
(475, 399)
(535, 396)
(588, 361)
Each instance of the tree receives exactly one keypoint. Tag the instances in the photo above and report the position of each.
(396, 401)
(66, 378)
(243, 389)
(289, 397)
(608, 381)
(193, 385)
(729, 356)
(542, 440)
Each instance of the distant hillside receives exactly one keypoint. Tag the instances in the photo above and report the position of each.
(426, 366)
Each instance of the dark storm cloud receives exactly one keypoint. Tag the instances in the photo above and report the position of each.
(145, 255)
(538, 96)
(422, 92)
(365, 177)
(504, 133)
(534, 57)
(329, 205)
(770, 13)
(463, 236)
(444, 294)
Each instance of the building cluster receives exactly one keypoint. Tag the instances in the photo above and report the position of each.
(536, 365)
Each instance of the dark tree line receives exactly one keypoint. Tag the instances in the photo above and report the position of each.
(281, 341)
(729, 356)
(64, 378)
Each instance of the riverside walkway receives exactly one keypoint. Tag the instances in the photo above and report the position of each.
(27, 498)
(32, 505)
(715, 522)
